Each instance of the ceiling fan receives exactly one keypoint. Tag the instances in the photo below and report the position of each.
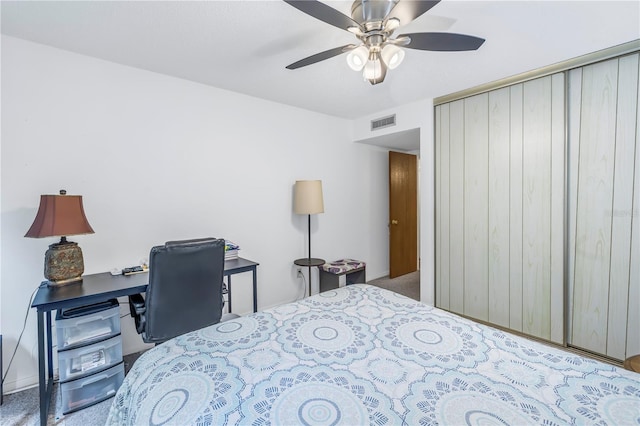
(373, 23)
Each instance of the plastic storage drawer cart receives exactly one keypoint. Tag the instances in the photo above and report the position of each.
(92, 389)
(89, 354)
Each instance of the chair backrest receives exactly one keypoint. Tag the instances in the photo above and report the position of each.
(185, 287)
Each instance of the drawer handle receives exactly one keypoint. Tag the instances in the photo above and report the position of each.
(96, 378)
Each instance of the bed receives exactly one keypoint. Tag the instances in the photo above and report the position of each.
(362, 355)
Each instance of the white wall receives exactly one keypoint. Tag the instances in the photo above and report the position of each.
(416, 115)
(158, 158)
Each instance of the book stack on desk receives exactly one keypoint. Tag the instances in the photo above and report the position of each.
(230, 250)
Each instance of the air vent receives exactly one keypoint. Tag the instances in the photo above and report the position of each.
(383, 122)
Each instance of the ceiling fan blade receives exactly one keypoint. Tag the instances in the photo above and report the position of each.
(443, 42)
(324, 13)
(321, 56)
(408, 10)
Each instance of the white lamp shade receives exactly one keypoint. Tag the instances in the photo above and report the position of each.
(307, 197)
(357, 58)
(392, 55)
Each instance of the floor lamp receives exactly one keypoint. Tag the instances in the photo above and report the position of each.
(307, 199)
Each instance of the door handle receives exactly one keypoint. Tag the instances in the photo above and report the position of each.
(394, 222)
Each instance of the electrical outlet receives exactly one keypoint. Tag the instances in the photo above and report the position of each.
(299, 272)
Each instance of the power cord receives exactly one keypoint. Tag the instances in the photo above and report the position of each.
(304, 287)
(24, 326)
(128, 313)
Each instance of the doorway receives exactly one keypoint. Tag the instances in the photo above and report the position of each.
(404, 141)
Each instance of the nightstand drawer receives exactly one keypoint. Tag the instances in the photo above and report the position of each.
(92, 389)
(79, 362)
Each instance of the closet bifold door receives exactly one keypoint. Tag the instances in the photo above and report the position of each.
(500, 186)
(604, 169)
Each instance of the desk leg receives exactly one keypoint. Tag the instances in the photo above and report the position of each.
(49, 349)
(255, 289)
(229, 291)
(42, 367)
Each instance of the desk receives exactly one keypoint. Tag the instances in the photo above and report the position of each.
(98, 288)
(238, 266)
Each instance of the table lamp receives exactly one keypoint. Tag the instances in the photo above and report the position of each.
(307, 199)
(60, 216)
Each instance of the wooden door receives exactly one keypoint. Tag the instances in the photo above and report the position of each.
(403, 214)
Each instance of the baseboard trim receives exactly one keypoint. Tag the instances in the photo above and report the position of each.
(21, 385)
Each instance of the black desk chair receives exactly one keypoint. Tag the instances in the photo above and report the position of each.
(184, 292)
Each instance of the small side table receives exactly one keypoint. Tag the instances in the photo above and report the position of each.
(330, 273)
(632, 363)
(309, 262)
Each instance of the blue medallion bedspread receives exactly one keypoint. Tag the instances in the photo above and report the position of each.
(362, 355)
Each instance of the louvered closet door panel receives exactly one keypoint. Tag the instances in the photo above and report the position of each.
(536, 207)
(456, 207)
(604, 287)
(595, 197)
(574, 92)
(622, 206)
(444, 200)
(515, 209)
(499, 170)
(476, 208)
(558, 202)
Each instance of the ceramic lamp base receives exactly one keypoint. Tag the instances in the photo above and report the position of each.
(63, 264)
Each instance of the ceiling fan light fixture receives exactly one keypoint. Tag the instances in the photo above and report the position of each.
(373, 23)
(357, 58)
(392, 24)
(392, 55)
(375, 70)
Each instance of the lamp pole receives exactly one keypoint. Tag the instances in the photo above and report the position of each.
(309, 230)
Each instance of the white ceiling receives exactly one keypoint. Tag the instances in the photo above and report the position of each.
(244, 46)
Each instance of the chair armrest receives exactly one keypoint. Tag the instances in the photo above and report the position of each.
(137, 308)
(136, 304)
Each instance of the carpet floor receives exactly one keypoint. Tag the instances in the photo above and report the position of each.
(407, 285)
(23, 408)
